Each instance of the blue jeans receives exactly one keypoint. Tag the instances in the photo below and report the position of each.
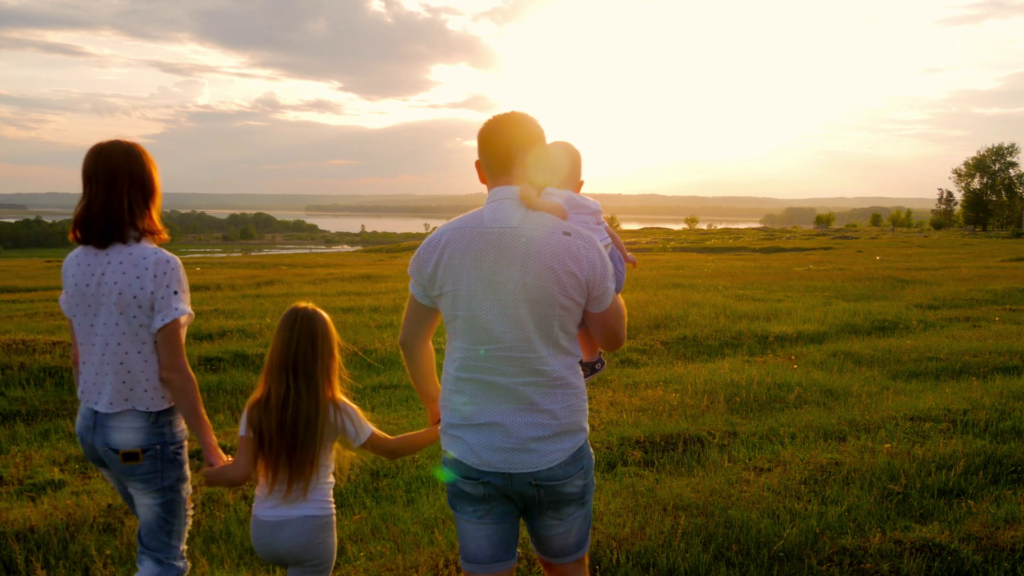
(143, 454)
(556, 504)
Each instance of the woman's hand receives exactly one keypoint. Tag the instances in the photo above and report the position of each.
(214, 456)
(232, 471)
(630, 259)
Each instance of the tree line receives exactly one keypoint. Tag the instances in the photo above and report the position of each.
(39, 233)
(243, 226)
(991, 188)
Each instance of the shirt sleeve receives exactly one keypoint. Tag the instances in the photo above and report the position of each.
(171, 298)
(63, 300)
(600, 279)
(417, 280)
(243, 426)
(354, 425)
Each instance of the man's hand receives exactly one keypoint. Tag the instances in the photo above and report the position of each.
(630, 259)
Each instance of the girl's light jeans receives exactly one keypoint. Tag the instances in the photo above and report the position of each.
(305, 545)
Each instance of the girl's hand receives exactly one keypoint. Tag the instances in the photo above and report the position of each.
(630, 259)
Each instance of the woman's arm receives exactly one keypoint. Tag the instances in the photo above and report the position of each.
(177, 377)
(395, 447)
(620, 246)
(237, 472)
(74, 353)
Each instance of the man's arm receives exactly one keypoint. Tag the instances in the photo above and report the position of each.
(608, 327)
(620, 246)
(418, 327)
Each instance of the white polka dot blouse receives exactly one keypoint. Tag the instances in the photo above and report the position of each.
(117, 299)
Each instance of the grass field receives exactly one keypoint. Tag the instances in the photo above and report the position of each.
(789, 402)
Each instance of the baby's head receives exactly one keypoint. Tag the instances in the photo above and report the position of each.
(558, 166)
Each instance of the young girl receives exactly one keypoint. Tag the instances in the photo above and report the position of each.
(288, 433)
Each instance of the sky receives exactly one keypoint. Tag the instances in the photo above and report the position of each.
(790, 98)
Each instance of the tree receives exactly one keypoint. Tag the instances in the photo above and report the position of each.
(876, 220)
(824, 220)
(793, 215)
(991, 185)
(613, 222)
(945, 210)
(896, 219)
(362, 228)
(908, 219)
(692, 221)
(426, 228)
(247, 232)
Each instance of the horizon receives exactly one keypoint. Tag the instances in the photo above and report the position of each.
(791, 101)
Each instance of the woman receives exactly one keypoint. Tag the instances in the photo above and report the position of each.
(128, 305)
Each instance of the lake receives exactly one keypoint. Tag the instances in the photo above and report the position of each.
(353, 222)
(383, 223)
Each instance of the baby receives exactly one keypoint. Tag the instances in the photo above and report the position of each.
(560, 175)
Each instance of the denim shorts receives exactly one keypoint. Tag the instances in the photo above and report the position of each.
(144, 456)
(555, 503)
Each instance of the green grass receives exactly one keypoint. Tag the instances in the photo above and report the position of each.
(789, 402)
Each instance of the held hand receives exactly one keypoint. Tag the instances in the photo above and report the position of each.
(434, 415)
(214, 456)
(630, 259)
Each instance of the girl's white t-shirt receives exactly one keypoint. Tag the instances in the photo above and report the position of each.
(319, 501)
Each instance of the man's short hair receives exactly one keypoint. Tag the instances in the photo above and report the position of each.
(505, 140)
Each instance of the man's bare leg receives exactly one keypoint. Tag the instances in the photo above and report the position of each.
(510, 572)
(577, 568)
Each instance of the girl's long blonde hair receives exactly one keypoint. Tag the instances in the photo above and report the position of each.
(297, 399)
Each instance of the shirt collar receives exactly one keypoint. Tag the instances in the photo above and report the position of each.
(503, 193)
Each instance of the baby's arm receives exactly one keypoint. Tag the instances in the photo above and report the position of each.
(620, 246)
(237, 472)
(529, 196)
(395, 447)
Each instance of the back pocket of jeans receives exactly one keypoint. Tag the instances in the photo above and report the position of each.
(138, 466)
(467, 497)
(564, 499)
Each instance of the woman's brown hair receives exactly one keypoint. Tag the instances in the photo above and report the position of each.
(120, 197)
(297, 398)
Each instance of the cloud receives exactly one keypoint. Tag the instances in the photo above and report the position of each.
(510, 11)
(32, 45)
(473, 102)
(984, 11)
(250, 151)
(272, 103)
(382, 52)
(979, 117)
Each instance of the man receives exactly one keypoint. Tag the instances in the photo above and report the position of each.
(512, 286)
